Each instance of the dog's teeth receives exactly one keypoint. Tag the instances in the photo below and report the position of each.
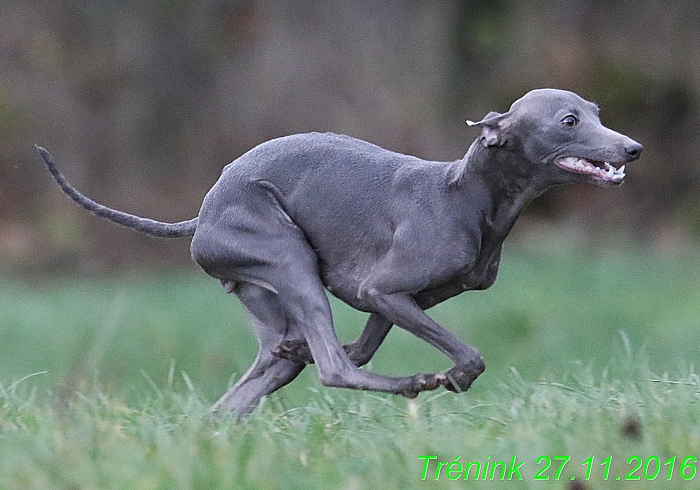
(621, 170)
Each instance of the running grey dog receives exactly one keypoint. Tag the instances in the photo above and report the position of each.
(389, 234)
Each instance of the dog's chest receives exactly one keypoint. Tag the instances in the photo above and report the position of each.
(466, 279)
(480, 276)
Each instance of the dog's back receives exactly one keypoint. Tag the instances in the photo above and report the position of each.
(346, 195)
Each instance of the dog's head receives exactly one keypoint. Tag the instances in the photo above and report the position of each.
(562, 133)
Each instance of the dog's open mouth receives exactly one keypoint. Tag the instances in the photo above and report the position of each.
(600, 171)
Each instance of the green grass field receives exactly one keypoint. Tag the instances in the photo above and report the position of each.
(107, 384)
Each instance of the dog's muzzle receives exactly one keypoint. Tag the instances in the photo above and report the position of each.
(602, 172)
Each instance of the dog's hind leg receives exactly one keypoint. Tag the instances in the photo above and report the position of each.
(295, 299)
(268, 372)
(300, 294)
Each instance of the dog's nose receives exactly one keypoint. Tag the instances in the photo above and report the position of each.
(634, 149)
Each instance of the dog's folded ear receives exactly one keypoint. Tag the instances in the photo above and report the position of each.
(491, 129)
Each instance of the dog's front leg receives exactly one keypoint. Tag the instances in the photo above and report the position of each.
(360, 352)
(402, 310)
(374, 333)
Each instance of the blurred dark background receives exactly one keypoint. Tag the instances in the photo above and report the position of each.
(143, 103)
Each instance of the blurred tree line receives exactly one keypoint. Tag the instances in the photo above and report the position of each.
(143, 103)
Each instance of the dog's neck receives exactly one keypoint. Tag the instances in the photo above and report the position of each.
(507, 177)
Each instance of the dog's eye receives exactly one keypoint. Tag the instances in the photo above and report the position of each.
(570, 121)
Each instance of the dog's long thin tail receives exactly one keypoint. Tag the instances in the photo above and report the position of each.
(144, 225)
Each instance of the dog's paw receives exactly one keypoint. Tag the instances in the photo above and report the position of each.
(425, 382)
(356, 354)
(461, 377)
(296, 351)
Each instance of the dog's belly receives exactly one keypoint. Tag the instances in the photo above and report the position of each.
(345, 282)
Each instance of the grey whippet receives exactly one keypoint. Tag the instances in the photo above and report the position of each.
(389, 234)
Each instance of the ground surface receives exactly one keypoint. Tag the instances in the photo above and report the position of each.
(587, 357)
